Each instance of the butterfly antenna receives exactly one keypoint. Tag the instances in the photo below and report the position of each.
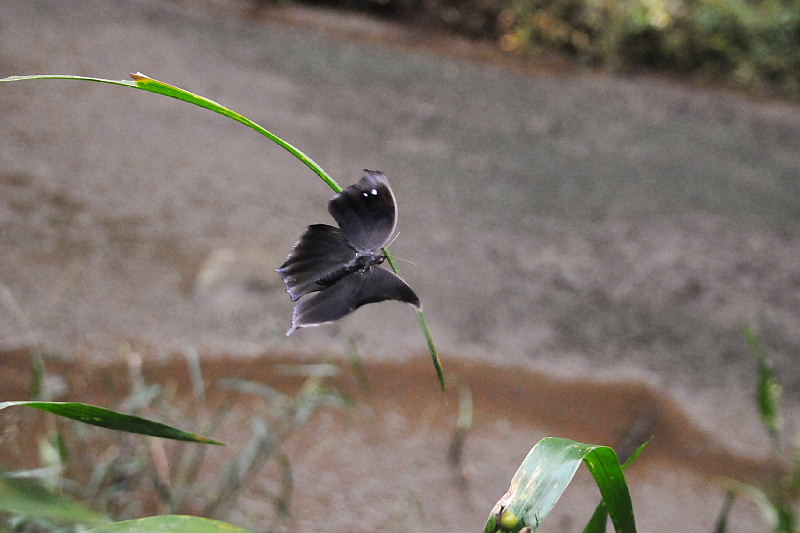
(406, 261)
(396, 235)
(399, 259)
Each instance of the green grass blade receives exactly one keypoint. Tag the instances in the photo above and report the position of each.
(426, 331)
(768, 395)
(787, 519)
(145, 83)
(159, 87)
(125, 83)
(29, 498)
(722, 520)
(100, 416)
(769, 513)
(437, 363)
(463, 426)
(604, 465)
(778, 514)
(544, 475)
(635, 455)
(169, 524)
(597, 523)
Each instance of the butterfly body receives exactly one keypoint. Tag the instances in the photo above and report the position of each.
(342, 264)
(360, 263)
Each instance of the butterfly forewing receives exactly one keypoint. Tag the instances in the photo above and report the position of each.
(366, 212)
(322, 249)
(350, 293)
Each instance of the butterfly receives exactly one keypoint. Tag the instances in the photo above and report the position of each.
(342, 264)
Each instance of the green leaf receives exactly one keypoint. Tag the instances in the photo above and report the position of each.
(100, 416)
(597, 523)
(544, 475)
(778, 514)
(169, 524)
(635, 455)
(722, 519)
(145, 83)
(426, 330)
(768, 395)
(29, 498)
(757, 495)
(423, 324)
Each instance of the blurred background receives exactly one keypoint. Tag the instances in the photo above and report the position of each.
(596, 197)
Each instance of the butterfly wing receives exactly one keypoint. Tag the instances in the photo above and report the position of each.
(366, 212)
(350, 293)
(321, 250)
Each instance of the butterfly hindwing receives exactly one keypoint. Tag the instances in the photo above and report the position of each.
(366, 212)
(321, 250)
(379, 284)
(350, 293)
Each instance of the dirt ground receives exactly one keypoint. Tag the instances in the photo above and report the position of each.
(563, 224)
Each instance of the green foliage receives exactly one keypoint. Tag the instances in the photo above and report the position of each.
(752, 43)
(722, 520)
(169, 524)
(38, 499)
(285, 414)
(774, 501)
(100, 416)
(544, 475)
(769, 390)
(29, 498)
(597, 523)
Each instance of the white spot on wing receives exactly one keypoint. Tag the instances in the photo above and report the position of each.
(365, 194)
(373, 191)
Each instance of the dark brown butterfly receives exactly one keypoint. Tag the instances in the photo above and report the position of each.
(342, 264)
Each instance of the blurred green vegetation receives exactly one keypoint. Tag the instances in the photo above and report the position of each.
(750, 44)
(753, 44)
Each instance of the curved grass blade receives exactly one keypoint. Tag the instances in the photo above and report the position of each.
(28, 497)
(426, 331)
(544, 475)
(597, 523)
(169, 524)
(768, 510)
(722, 520)
(145, 83)
(769, 391)
(100, 416)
